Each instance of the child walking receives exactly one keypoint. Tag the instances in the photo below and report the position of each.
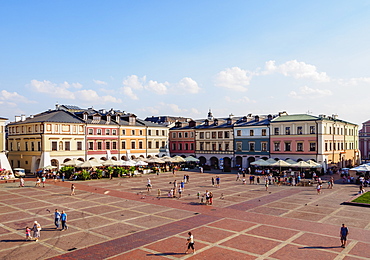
(28, 233)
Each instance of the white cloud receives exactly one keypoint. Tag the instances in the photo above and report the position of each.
(306, 92)
(195, 111)
(187, 85)
(239, 100)
(52, 89)
(296, 70)
(159, 88)
(128, 92)
(14, 96)
(100, 82)
(93, 97)
(234, 78)
(353, 81)
(134, 82)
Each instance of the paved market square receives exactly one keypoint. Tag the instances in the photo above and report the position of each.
(119, 219)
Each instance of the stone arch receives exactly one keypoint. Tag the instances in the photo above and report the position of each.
(214, 162)
(114, 158)
(300, 159)
(92, 158)
(227, 162)
(133, 157)
(103, 158)
(81, 159)
(239, 161)
(202, 160)
(123, 157)
(265, 158)
(55, 162)
(66, 160)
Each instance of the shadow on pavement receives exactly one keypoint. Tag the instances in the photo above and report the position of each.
(319, 247)
(164, 254)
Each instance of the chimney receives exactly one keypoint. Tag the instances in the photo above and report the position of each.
(23, 117)
(17, 118)
(269, 117)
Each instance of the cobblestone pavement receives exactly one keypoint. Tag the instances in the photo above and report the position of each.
(119, 219)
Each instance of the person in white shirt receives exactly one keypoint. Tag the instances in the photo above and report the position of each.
(190, 243)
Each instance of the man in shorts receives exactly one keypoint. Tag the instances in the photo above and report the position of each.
(343, 235)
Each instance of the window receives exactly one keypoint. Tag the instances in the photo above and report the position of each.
(251, 132)
(239, 146)
(157, 145)
(79, 146)
(251, 147)
(287, 146)
(163, 132)
(100, 145)
(326, 146)
(38, 146)
(201, 146)
(227, 134)
(123, 145)
(140, 132)
(220, 134)
(180, 134)
(98, 132)
(227, 146)
(220, 147)
(186, 147)
(186, 134)
(150, 145)
(192, 146)
(313, 130)
(156, 132)
(180, 146)
(299, 130)
(67, 146)
(264, 132)
(123, 132)
(213, 146)
(114, 132)
(149, 132)
(299, 147)
(19, 146)
(213, 135)
(11, 146)
(54, 146)
(276, 131)
(107, 145)
(173, 147)
(132, 132)
(107, 131)
(264, 146)
(91, 131)
(329, 130)
(164, 144)
(191, 134)
(201, 135)
(277, 146)
(133, 145)
(60, 146)
(33, 146)
(238, 132)
(173, 135)
(140, 145)
(312, 147)
(26, 146)
(287, 130)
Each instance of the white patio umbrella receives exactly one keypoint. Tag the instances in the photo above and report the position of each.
(314, 164)
(72, 162)
(191, 159)
(281, 163)
(361, 168)
(141, 163)
(271, 160)
(49, 167)
(154, 160)
(291, 161)
(302, 164)
(260, 162)
(90, 164)
(128, 163)
(179, 159)
(111, 162)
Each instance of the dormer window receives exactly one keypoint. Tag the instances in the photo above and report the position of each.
(108, 118)
(216, 122)
(206, 122)
(132, 120)
(96, 118)
(117, 118)
(85, 116)
(229, 121)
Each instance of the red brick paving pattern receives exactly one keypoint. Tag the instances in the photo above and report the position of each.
(299, 253)
(220, 253)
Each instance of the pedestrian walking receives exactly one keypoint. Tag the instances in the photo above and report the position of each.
(213, 182)
(63, 176)
(21, 182)
(159, 193)
(28, 233)
(38, 182)
(73, 188)
(238, 177)
(149, 185)
(343, 235)
(258, 180)
(210, 198)
(180, 192)
(190, 243)
(63, 218)
(43, 180)
(57, 216)
(36, 231)
(218, 181)
(267, 185)
(318, 188)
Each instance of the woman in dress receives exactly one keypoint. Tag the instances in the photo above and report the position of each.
(36, 231)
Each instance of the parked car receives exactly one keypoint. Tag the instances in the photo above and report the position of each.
(19, 172)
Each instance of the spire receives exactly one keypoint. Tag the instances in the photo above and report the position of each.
(210, 116)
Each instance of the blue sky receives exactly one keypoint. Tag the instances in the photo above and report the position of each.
(183, 57)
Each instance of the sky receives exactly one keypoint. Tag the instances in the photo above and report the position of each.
(182, 58)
